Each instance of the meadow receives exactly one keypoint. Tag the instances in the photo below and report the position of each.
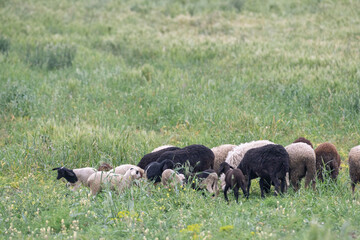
(86, 82)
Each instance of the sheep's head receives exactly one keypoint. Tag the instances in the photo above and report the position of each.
(135, 173)
(211, 184)
(224, 167)
(68, 174)
(154, 170)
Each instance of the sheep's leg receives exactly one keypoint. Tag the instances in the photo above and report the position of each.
(277, 185)
(267, 185)
(236, 193)
(353, 187)
(283, 184)
(77, 185)
(294, 182)
(261, 183)
(248, 187)
(225, 192)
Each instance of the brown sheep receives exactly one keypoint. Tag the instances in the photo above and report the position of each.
(105, 167)
(354, 166)
(327, 155)
(304, 140)
(234, 179)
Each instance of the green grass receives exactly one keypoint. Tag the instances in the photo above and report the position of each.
(84, 82)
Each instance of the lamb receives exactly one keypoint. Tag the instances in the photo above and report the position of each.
(327, 157)
(155, 169)
(117, 182)
(304, 140)
(122, 169)
(163, 147)
(153, 156)
(198, 157)
(170, 178)
(75, 177)
(354, 166)
(269, 162)
(221, 153)
(207, 179)
(234, 179)
(302, 164)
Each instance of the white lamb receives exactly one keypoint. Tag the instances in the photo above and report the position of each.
(117, 182)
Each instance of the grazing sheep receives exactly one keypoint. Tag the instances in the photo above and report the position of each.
(198, 157)
(153, 156)
(75, 177)
(117, 182)
(235, 156)
(302, 164)
(207, 179)
(270, 162)
(170, 178)
(234, 179)
(122, 169)
(327, 157)
(354, 166)
(163, 147)
(155, 169)
(105, 167)
(304, 140)
(221, 153)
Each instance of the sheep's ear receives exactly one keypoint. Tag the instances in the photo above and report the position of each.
(57, 168)
(231, 166)
(221, 169)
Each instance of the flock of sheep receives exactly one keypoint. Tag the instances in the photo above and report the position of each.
(235, 167)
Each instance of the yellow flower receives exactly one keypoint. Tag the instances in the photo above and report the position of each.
(226, 228)
(195, 228)
(252, 233)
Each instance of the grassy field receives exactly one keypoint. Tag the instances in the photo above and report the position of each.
(85, 82)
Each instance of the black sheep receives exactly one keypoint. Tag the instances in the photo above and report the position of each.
(154, 170)
(270, 162)
(199, 157)
(153, 156)
(234, 179)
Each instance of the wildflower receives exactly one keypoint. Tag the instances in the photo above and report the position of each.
(226, 228)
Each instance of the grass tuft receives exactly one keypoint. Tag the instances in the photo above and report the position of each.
(51, 56)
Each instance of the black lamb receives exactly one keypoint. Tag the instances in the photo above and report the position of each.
(154, 170)
(234, 179)
(270, 162)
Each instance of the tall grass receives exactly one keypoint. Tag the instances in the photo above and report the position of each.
(107, 81)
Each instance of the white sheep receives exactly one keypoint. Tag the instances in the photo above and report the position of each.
(354, 166)
(170, 178)
(302, 164)
(122, 169)
(117, 182)
(221, 153)
(75, 177)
